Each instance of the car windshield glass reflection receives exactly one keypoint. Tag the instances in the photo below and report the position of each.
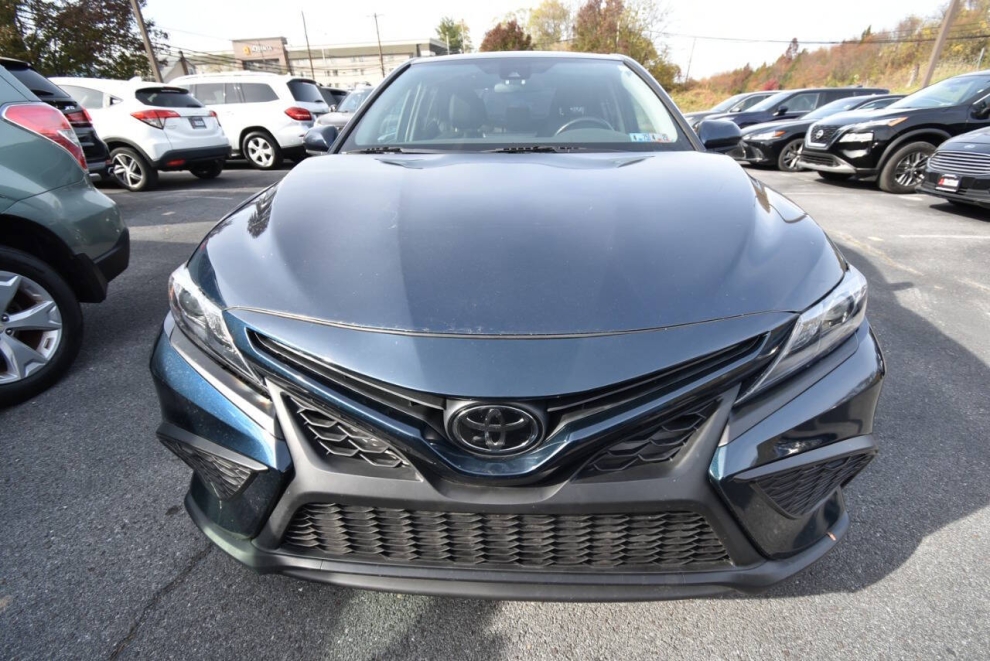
(353, 101)
(517, 104)
(949, 92)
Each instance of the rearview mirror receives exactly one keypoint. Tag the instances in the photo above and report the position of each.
(319, 139)
(719, 135)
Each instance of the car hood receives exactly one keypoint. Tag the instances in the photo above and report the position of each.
(744, 117)
(785, 124)
(979, 137)
(857, 116)
(518, 244)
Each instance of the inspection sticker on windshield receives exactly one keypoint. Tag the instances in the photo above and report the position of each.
(948, 182)
(649, 137)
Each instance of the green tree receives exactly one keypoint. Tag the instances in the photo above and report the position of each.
(549, 24)
(507, 36)
(614, 26)
(455, 35)
(97, 38)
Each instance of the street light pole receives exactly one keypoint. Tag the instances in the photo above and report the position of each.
(147, 42)
(309, 52)
(381, 58)
(943, 34)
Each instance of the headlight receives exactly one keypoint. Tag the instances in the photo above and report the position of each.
(202, 321)
(857, 137)
(819, 329)
(765, 135)
(861, 132)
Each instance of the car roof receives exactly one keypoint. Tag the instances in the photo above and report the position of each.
(243, 76)
(9, 62)
(493, 55)
(115, 86)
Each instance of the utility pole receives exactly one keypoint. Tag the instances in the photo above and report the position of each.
(312, 72)
(147, 42)
(381, 58)
(687, 76)
(943, 33)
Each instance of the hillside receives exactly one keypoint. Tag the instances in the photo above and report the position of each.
(895, 59)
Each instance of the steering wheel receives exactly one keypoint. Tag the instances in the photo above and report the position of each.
(597, 121)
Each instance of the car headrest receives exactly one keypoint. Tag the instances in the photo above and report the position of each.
(467, 111)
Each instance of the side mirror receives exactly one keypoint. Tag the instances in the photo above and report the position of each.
(333, 107)
(780, 111)
(981, 109)
(719, 135)
(318, 139)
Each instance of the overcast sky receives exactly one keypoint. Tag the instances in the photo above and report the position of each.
(211, 24)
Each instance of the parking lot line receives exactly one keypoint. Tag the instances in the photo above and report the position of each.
(975, 237)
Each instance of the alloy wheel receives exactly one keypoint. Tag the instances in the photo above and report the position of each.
(910, 170)
(128, 171)
(30, 327)
(260, 151)
(789, 159)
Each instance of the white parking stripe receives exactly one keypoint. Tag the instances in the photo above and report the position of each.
(975, 237)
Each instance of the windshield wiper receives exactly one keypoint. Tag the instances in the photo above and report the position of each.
(535, 149)
(384, 149)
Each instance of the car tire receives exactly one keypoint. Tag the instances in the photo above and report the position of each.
(132, 171)
(789, 155)
(261, 150)
(210, 170)
(34, 356)
(905, 169)
(834, 176)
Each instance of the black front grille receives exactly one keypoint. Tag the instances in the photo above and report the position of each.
(330, 433)
(798, 491)
(814, 159)
(224, 477)
(657, 541)
(651, 442)
(827, 133)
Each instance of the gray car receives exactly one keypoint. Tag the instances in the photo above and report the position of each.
(61, 242)
(342, 114)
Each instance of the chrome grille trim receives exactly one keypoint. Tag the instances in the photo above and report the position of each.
(960, 163)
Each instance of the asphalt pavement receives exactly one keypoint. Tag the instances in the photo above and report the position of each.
(99, 560)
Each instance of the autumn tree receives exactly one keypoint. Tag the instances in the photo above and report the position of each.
(455, 35)
(549, 24)
(615, 26)
(97, 38)
(507, 36)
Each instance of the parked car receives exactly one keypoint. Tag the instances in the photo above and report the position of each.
(97, 154)
(959, 170)
(151, 128)
(516, 350)
(264, 115)
(735, 103)
(793, 104)
(893, 145)
(345, 110)
(778, 144)
(61, 242)
(333, 96)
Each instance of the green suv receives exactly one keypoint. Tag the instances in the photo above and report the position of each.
(61, 242)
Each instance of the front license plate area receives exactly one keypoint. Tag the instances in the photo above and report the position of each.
(948, 182)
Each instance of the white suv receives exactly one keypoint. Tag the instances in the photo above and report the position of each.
(264, 115)
(150, 127)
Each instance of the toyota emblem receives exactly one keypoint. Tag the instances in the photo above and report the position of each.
(495, 428)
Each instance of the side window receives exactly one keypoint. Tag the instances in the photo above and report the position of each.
(232, 93)
(210, 94)
(829, 97)
(801, 102)
(86, 97)
(257, 93)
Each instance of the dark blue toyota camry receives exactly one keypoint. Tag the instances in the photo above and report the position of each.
(520, 334)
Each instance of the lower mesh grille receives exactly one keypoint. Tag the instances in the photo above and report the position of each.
(652, 442)
(224, 477)
(663, 540)
(799, 490)
(335, 437)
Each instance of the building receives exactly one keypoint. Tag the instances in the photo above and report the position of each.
(335, 65)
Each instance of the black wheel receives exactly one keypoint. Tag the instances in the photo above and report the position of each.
(789, 155)
(209, 170)
(41, 326)
(261, 150)
(132, 170)
(834, 176)
(905, 170)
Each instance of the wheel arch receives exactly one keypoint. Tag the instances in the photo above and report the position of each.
(114, 143)
(255, 129)
(932, 135)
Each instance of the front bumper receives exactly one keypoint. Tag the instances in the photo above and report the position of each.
(758, 152)
(821, 418)
(972, 190)
(859, 161)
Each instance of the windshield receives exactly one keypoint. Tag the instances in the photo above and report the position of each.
(353, 101)
(728, 103)
(836, 106)
(769, 103)
(511, 102)
(951, 92)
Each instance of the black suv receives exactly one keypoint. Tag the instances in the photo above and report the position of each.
(97, 154)
(894, 145)
(794, 103)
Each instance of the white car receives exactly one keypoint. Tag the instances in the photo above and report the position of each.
(264, 115)
(150, 127)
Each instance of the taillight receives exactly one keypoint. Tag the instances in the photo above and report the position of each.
(299, 114)
(214, 115)
(154, 118)
(47, 122)
(79, 117)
